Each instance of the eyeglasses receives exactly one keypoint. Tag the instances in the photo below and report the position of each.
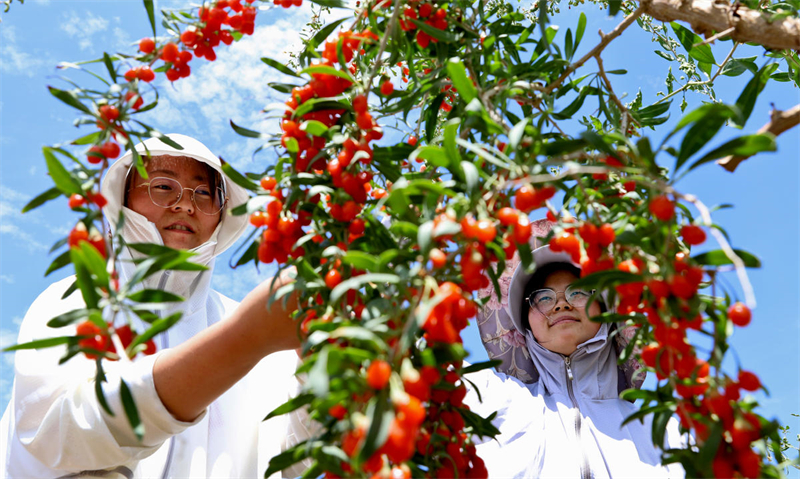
(167, 192)
(544, 300)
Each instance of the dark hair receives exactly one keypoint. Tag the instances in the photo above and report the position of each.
(536, 282)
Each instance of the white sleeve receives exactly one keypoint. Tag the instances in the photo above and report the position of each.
(58, 418)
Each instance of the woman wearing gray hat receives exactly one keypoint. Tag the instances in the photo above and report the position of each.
(569, 424)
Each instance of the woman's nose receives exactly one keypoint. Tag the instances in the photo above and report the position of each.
(185, 203)
(562, 303)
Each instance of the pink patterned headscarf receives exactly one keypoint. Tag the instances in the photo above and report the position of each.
(502, 340)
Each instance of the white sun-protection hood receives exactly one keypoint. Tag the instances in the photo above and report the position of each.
(138, 229)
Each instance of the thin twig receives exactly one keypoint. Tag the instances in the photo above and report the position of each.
(622, 109)
(385, 40)
(700, 83)
(715, 37)
(605, 40)
(749, 296)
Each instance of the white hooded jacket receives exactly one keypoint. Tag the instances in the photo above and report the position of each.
(568, 423)
(54, 425)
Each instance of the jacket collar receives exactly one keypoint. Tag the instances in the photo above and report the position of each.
(593, 365)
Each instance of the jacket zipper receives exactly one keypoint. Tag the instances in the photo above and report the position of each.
(585, 470)
(165, 344)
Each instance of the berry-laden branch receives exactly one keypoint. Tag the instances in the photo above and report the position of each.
(708, 16)
(779, 122)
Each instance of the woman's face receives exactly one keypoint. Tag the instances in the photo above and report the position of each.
(181, 226)
(564, 327)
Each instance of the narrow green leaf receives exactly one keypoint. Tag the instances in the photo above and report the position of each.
(151, 16)
(433, 154)
(327, 70)
(289, 457)
(69, 317)
(613, 7)
(154, 296)
(358, 281)
(314, 127)
(579, 31)
(719, 258)
(40, 343)
(131, 411)
(291, 405)
(110, 67)
(471, 175)
(516, 133)
(279, 66)
(380, 419)
(59, 174)
(318, 380)
(43, 198)
(99, 379)
(458, 75)
(70, 99)
(747, 145)
(747, 99)
(158, 326)
(84, 278)
(573, 107)
(424, 236)
(330, 3)
(432, 115)
(441, 35)
(361, 260)
(237, 177)
(245, 132)
(688, 39)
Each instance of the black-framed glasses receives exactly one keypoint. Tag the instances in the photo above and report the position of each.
(544, 300)
(167, 192)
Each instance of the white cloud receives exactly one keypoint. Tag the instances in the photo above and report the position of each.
(83, 27)
(13, 60)
(7, 278)
(17, 225)
(25, 239)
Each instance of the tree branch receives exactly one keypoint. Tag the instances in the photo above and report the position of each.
(709, 16)
(780, 121)
(605, 40)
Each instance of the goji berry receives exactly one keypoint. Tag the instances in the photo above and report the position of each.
(378, 374)
(739, 314)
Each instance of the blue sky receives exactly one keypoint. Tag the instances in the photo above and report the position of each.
(38, 35)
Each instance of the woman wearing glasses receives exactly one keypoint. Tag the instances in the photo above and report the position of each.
(217, 373)
(568, 422)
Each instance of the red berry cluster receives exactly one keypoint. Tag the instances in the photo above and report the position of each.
(97, 340)
(79, 234)
(450, 316)
(282, 229)
(420, 10)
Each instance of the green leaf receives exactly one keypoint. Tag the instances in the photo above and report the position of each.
(471, 175)
(279, 66)
(327, 70)
(237, 177)
(708, 119)
(579, 31)
(148, 5)
(95, 263)
(688, 39)
(458, 75)
(358, 281)
(747, 145)
(747, 99)
(330, 3)
(453, 155)
(380, 419)
(84, 278)
(361, 260)
(424, 236)
(70, 99)
(69, 317)
(441, 35)
(666, 56)
(516, 133)
(314, 127)
(287, 458)
(99, 379)
(154, 296)
(245, 132)
(43, 198)
(318, 380)
(613, 7)
(432, 115)
(60, 176)
(433, 154)
(158, 326)
(719, 258)
(573, 107)
(291, 405)
(737, 66)
(110, 67)
(324, 33)
(40, 343)
(131, 411)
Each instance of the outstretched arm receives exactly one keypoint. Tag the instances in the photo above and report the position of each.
(192, 375)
